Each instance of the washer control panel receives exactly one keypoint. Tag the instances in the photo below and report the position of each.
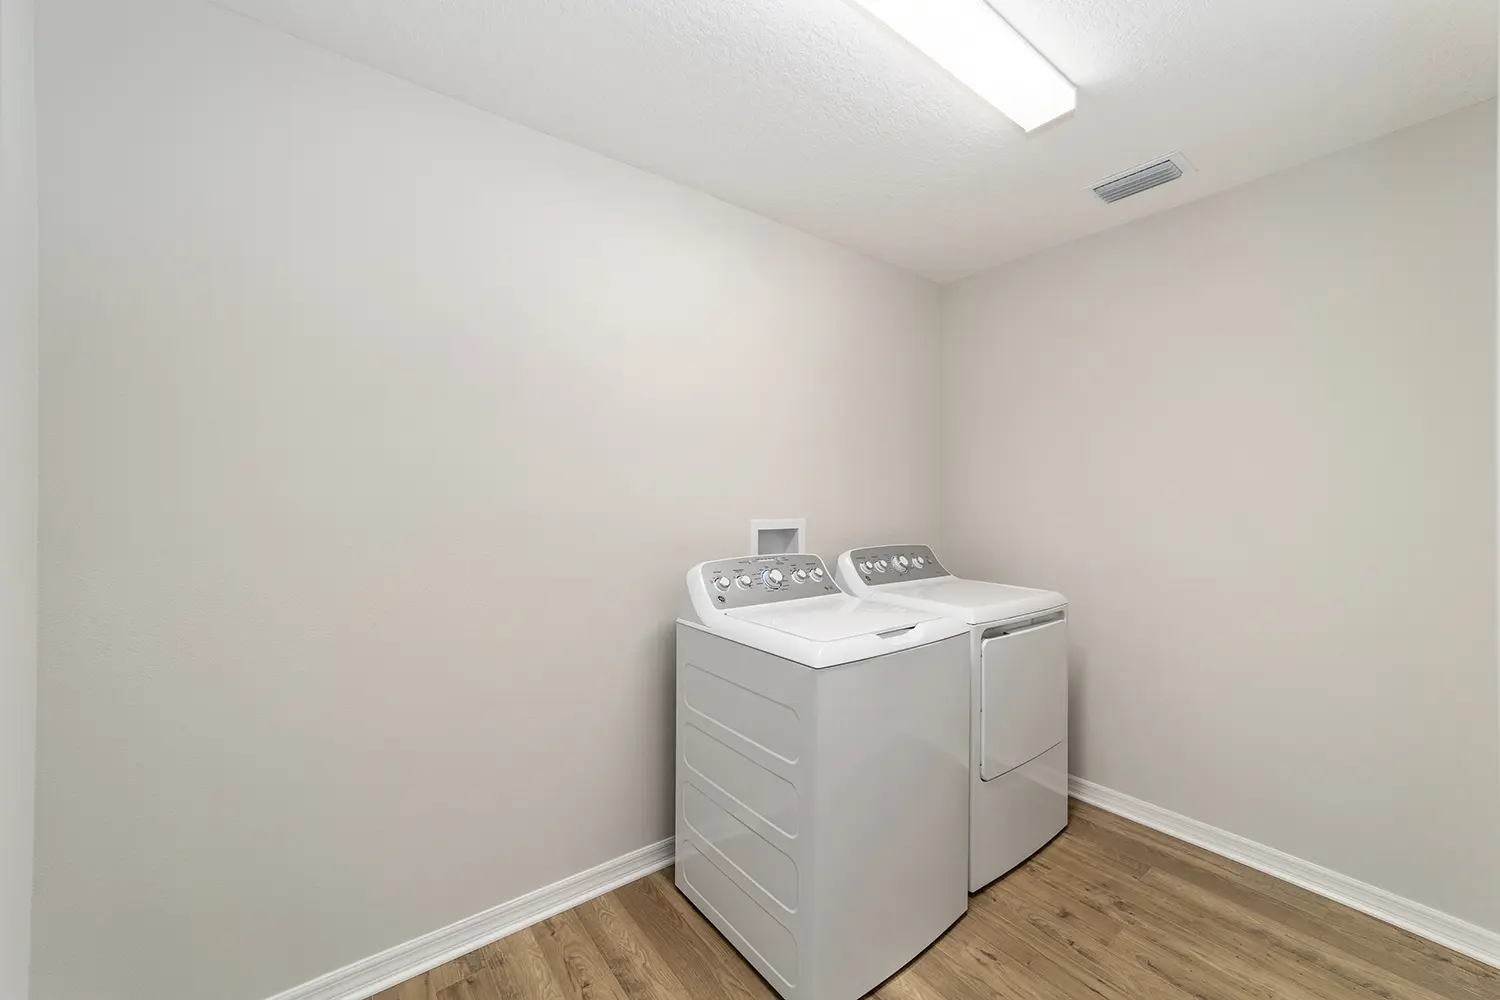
(752, 580)
(894, 563)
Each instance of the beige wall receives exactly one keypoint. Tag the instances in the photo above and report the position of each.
(1253, 440)
(18, 488)
(379, 433)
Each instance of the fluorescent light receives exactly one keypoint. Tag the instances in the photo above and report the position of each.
(973, 43)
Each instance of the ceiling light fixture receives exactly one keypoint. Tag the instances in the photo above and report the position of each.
(974, 44)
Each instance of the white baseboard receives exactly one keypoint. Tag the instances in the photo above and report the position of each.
(369, 976)
(1434, 925)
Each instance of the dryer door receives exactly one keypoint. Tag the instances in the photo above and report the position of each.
(1023, 696)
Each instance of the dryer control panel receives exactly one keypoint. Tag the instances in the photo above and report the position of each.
(895, 563)
(752, 580)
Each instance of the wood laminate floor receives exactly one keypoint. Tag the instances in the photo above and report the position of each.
(1108, 911)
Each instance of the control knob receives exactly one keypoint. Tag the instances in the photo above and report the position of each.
(744, 582)
(900, 564)
(799, 576)
(918, 561)
(881, 565)
(722, 582)
(817, 573)
(773, 579)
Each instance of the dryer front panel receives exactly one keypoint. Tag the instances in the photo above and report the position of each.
(1023, 695)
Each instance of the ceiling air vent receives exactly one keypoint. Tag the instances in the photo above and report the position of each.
(1141, 178)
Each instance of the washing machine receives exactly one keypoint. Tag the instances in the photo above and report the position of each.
(1018, 731)
(822, 773)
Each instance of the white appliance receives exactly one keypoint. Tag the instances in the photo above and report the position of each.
(822, 773)
(1018, 654)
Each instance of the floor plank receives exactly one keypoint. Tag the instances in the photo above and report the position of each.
(638, 967)
(1271, 910)
(1107, 911)
(416, 988)
(522, 956)
(699, 965)
(579, 969)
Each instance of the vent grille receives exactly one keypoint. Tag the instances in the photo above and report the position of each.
(1138, 179)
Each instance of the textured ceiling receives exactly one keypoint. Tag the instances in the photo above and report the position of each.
(805, 111)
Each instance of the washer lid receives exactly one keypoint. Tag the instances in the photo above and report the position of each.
(973, 601)
(833, 617)
(788, 605)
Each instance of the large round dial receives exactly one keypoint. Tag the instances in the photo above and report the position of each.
(773, 579)
(900, 564)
